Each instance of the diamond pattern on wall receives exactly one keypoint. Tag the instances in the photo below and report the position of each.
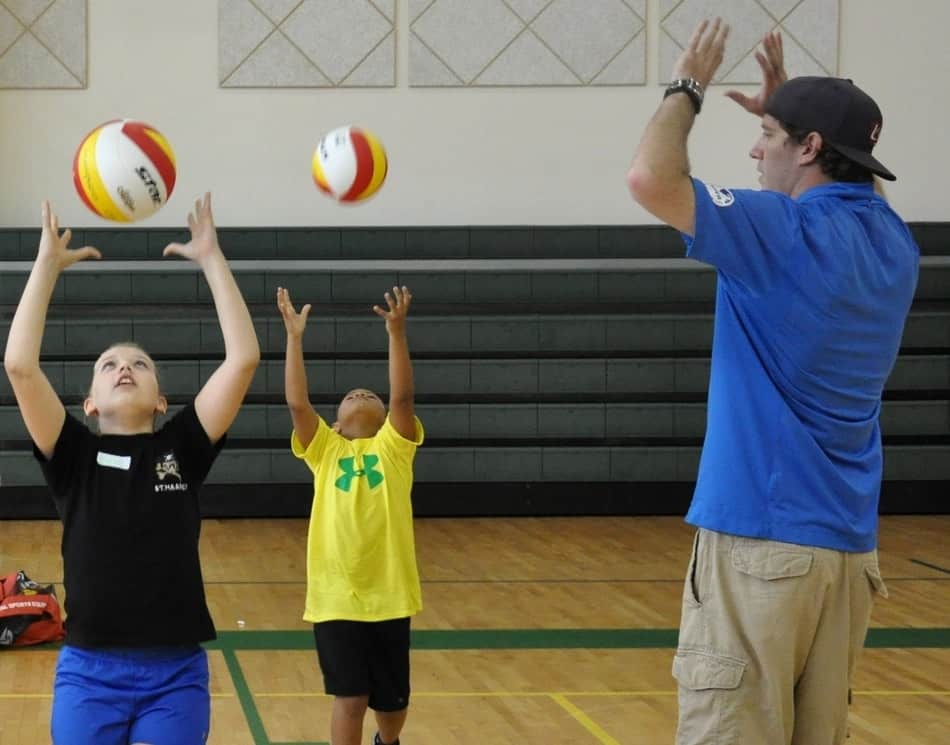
(306, 43)
(527, 42)
(42, 43)
(809, 31)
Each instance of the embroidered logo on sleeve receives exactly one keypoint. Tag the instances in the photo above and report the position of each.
(349, 471)
(720, 196)
(111, 460)
(169, 474)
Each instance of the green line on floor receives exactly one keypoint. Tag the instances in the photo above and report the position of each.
(253, 717)
(445, 639)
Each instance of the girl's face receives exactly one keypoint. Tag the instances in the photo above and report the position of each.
(124, 386)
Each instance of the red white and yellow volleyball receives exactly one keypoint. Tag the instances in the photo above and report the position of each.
(124, 170)
(349, 164)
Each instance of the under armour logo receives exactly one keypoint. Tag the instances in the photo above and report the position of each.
(876, 132)
(348, 466)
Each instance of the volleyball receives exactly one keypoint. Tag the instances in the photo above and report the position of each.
(124, 170)
(349, 164)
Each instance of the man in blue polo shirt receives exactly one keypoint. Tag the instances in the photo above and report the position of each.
(815, 277)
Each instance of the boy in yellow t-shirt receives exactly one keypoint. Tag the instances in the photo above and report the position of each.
(362, 580)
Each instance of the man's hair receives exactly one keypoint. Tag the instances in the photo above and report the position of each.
(832, 163)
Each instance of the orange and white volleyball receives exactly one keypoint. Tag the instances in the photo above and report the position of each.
(124, 170)
(349, 164)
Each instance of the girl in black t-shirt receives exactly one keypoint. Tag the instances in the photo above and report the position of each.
(131, 671)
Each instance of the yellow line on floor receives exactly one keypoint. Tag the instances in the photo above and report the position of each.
(585, 721)
(495, 694)
(15, 696)
(481, 694)
(901, 693)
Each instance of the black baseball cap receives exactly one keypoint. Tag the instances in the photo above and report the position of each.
(845, 116)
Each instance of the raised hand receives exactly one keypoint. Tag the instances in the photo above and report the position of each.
(54, 247)
(398, 302)
(703, 53)
(204, 236)
(771, 59)
(294, 322)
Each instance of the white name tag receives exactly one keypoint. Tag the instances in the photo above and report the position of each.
(109, 460)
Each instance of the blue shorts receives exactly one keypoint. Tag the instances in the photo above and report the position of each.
(123, 696)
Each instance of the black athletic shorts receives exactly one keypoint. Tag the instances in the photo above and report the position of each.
(366, 658)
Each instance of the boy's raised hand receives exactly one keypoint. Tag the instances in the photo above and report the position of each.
(294, 322)
(204, 236)
(398, 301)
(55, 247)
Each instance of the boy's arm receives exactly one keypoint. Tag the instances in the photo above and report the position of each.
(219, 400)
(41, 409)
(402, 408)
(302, 414)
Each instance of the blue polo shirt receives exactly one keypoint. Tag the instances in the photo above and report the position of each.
(811, 298)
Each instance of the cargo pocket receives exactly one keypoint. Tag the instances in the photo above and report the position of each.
(770, 562)
(873, 573)
(708, 702)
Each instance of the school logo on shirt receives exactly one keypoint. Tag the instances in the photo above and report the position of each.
(169, 473)
(349, 471)
(721, 197)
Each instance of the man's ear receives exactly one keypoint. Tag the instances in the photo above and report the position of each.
(812, 146)
(89, 408)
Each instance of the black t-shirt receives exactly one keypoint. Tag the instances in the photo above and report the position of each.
(129, 506)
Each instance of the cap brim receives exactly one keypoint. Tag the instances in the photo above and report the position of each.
(865, 159)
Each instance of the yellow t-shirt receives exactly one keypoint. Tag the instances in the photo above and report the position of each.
(361, 553)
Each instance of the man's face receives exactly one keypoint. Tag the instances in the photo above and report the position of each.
(779, 157)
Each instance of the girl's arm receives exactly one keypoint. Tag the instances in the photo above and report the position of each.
(219, 400)
(40, 407)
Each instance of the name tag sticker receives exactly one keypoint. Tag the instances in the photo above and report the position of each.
(109, 460)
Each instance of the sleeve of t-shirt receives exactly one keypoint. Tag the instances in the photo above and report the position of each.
(395, 446)
(312, 454)
(747, 235)
(72, 450)
(193, 448)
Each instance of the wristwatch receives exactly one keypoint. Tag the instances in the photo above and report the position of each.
(690, 87)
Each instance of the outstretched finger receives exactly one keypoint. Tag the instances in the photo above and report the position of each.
(86, 252)
(206, 205)
(45, 211)
(722, 35)
(709, 38)
(174, 249)
(304, 312)
(694, 40)
(384, 314)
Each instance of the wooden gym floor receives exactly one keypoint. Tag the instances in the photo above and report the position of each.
(540, 630)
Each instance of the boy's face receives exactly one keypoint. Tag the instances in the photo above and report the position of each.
(124, 381)
(361, 413)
